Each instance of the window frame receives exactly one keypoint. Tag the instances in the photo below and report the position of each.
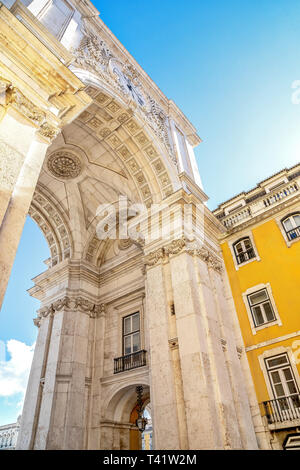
(270, 354)
(284, 219)
(260, 304)
(237, 255)
(233, 241)
(253, 290)
(124, 335)
(287, 365)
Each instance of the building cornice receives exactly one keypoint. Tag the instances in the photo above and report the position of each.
(179, 246)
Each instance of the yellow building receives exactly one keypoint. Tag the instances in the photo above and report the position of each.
(261, 249)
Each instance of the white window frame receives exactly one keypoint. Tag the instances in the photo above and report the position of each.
(126, 308)
(277, 352)
(231, 242)
(132, 333)
(279, 220)
(283, 380)
(252, 290)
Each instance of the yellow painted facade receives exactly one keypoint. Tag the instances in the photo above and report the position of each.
(275, 264)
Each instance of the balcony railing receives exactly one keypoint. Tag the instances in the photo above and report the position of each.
(258, 205)
(294, 233)
(277, 196)
(130, 361)
(282, 409)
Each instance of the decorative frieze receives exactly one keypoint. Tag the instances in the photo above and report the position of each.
(179, 245)
(77, 304)
(10, 95)
(153, 258)
(48, 131)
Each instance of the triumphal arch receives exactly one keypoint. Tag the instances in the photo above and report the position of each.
(86, 140)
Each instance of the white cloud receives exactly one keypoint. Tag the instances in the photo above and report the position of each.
(14, 373)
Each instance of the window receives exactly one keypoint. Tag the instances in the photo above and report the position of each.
(291, 225)
(261, 307)
(283, 382)
(243, 250)
(131, 334)
(55, 16)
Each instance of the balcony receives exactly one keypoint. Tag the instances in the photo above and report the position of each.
(258, 205)
(294, 233)
(129, 362)
(282, 413)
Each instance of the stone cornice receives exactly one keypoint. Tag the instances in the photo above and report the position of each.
(44, 85)
(14, 98)
(182, 245)
(269, 213)
(76, 304)
(96, 26)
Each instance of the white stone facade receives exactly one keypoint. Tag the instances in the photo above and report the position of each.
(96, 128)
(9, 435)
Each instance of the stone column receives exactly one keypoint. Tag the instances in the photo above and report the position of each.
(198, 396)
(32, 401)
(97, 363)
(15, 215)
(63, 369)
(162, 380)
(212, 419)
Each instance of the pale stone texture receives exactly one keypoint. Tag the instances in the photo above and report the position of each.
(74, 138)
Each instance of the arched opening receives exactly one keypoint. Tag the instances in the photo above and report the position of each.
(120, 431)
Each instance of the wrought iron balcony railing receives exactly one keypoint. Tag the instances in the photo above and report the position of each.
(294, 233)
(282, 409)
(130, 361)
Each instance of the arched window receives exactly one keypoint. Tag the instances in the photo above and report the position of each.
(291, 225)
(243, 250)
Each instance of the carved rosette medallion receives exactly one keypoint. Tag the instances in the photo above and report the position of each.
(64, 165)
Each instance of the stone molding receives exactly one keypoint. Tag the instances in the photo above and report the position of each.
(77, 304)
(12, 96)
(180, 245)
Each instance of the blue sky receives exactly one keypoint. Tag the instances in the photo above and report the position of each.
(229, 65)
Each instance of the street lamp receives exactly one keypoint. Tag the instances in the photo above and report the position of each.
(141, 422)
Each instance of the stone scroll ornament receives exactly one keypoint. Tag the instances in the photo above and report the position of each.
(93, 54)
